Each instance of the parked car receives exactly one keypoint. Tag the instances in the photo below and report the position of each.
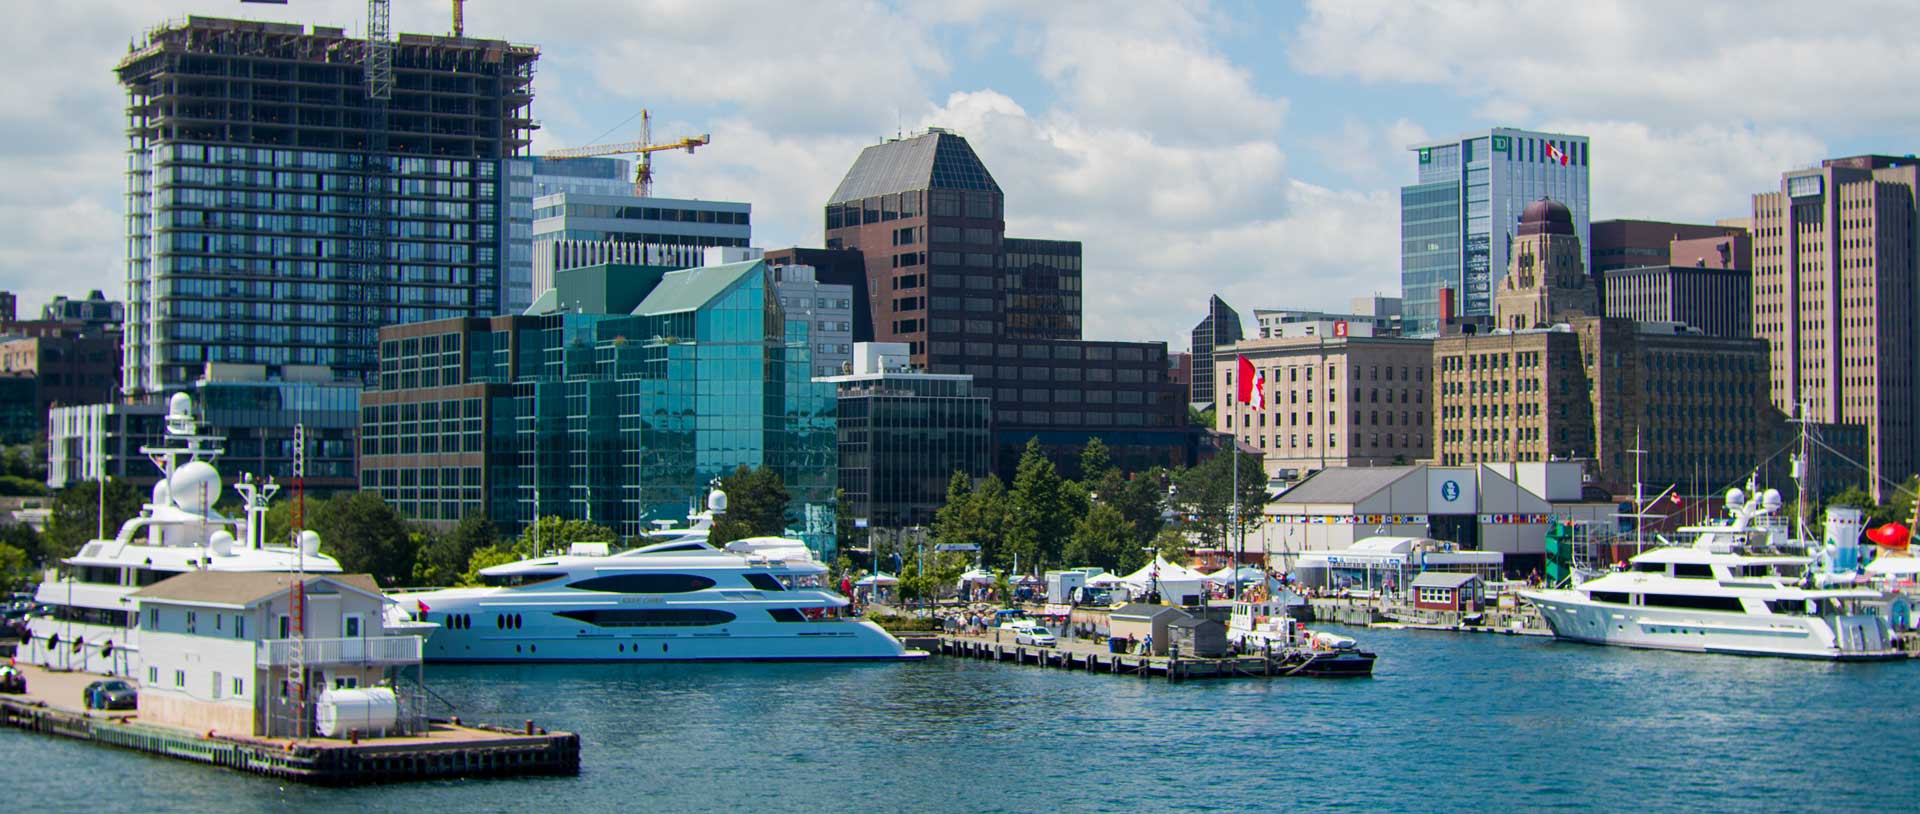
(1035, 635)
(12, 680)
(111, 693)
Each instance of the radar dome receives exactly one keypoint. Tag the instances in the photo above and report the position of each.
(195, 486)
(221, 543)
(309, 542)
(717, 502)
(180, 404)
(1771, 499)
(1735, 497)
(161, 497)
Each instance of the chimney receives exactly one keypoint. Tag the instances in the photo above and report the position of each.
(1446, 306)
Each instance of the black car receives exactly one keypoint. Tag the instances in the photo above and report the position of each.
(111, 693)
(12, 680)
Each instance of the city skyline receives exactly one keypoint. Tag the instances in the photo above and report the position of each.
(1174, 142)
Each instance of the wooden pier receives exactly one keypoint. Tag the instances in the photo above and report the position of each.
(448, 750)
(1083, 657)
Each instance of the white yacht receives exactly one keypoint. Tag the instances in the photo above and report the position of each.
(92, 626)
(757, 599)
(1741, 587)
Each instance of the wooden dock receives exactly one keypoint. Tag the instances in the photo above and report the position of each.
(1084, 657)
(448, 750)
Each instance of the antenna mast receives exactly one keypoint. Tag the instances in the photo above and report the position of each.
(297, 655)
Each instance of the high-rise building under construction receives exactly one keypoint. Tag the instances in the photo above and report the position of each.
(287, 195)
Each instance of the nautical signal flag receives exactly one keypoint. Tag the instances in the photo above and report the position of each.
(1554, 153)
(1251, 386)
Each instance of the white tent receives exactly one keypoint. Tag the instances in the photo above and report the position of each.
(1176, 582)
(881, 578)
(977, 576)
(1225, 575)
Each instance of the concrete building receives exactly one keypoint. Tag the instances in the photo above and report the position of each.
(1836, 285)
(255, 411)
(1220, 328)
(929, 221)
(1457, 221)
(828, 310)
(95, 315)
(73, 369)
(280, 211)
(579, 229)
(9, 307)
(903, 433)
(1368, 316)
(616, 399)
(217, 648)
(1331, 402)
(1556, 382)
(1718, 301)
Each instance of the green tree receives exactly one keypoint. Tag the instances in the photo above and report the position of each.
(1104, 538)
(1141, 499)
(487, 557)
(756, 505)
(1095, 461)
(1200, 418)
(551, 533)
(366, 535)
(75, 512)
(445, 557)
(16, 568)
(1204, 495)
(23, 537)
(923, 579)
(1039, 520)
(1171, 544)
(973, 516)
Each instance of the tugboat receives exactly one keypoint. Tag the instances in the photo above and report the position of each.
(1269, 626)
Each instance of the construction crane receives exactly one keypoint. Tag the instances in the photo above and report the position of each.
(459, 18)
(645, 148)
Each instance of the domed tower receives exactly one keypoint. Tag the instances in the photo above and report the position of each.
(1546, 276)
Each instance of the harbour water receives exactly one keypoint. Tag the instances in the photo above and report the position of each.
(1449, 722)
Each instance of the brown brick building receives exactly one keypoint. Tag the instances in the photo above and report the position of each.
(1350, 401)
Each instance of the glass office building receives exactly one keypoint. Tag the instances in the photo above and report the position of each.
(903, 433)
(278, 213)
(616, 399)
(1457, 221)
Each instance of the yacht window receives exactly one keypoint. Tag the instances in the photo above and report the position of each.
(663, 617)
(1650, 567)
(786, 615)
(1616, 597)
(764, 582)
(1787, 607)
(645, 583)
(516, 580)
(1716, 603)
(1692, 570)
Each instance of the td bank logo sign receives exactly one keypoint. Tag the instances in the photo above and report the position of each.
(1502, 144)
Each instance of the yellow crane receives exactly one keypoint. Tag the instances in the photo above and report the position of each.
(645, 148)
(459, 18)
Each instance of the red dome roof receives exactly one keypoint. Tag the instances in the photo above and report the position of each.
(1546, 216)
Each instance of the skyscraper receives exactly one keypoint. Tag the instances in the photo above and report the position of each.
(1220, 327)
(1457, 223)
(929, 220)
(279, 211)
(1834, 294)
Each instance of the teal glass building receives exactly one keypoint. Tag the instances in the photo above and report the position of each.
(616, 398)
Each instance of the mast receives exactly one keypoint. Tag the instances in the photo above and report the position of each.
(1801, 475)
(1639, 497)
(297, 654)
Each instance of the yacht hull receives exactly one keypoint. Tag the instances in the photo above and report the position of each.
(1572, 617)
(833, 641)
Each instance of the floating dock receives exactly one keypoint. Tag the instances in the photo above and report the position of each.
(1082, 656)
(449, 750)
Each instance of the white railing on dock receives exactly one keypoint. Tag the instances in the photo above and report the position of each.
(353, 650)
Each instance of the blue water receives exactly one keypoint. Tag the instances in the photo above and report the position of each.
(1449, 722)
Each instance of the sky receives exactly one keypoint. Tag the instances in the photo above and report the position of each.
(1250, 149)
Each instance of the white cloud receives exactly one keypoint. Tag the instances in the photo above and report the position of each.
(1699, 174)
(1666, 64)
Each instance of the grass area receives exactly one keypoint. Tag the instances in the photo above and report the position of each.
(904, 624)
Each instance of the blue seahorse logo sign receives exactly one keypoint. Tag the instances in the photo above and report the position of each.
(1450, 490)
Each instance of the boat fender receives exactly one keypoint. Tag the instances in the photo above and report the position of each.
(106, 649)
(79, 642)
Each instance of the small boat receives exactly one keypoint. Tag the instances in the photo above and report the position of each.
(1269, 626)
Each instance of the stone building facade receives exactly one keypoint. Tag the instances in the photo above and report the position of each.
(1352, 401)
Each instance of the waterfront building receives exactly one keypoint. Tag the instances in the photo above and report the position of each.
(1718, 301)
(903, 433)
(256, 411)
(1221, 327)
(217, 651)
(1330, 402)
(1836, 284)
(1457, 221)
(616, 399)
(929, 221)
(1554, 381)
(280, 211)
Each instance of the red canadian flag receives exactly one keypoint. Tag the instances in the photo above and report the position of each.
(1250, 386)
(1556, 154)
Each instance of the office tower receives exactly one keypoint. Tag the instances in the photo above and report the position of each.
(903, 433)
(1834, 296)
(1718, 301)
(928, 220)
(615, 399)
(834, 267)
(1221, 327)
(825, 307)
(280, 211)
(1457, 222)
(574, 229)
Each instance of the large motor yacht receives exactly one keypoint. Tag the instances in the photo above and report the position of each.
(91, 626)
(757, 599)
(1741, 587)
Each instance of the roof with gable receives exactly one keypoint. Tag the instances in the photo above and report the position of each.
(240, 589)
(935, 159)
(689, 289)
(1345, 484)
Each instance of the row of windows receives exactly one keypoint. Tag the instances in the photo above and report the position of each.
(655, 213)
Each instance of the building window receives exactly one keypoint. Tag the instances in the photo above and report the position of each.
(179, 678)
